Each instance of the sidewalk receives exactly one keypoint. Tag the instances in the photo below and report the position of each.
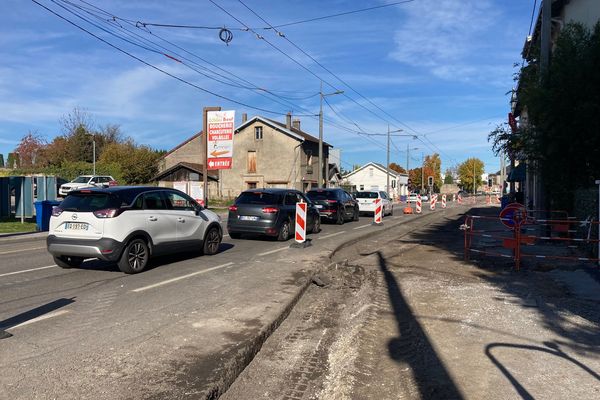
(406, 318)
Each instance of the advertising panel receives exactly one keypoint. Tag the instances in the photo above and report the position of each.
(220, 126)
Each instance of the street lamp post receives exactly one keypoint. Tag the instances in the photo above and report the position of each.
(320, 169)
(387, 166)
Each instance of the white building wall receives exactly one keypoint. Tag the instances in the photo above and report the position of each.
(373, 178)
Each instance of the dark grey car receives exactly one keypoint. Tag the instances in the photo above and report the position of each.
(269, 212)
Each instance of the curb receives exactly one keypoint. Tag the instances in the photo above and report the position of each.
(246, 353)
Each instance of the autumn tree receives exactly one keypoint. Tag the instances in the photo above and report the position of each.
(138, 163)
(470, 173)
(433, 167)
(30, 150)
(1, 160)
(397, 168)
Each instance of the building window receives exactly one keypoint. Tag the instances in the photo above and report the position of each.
(309, 162)
(362, 187)
(370, 172)
(252, 162)
(252, 185)
(258, 132)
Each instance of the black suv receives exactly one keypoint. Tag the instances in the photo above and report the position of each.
(335, 204)
(270, 212)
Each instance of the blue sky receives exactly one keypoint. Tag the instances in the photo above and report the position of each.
(438, 68)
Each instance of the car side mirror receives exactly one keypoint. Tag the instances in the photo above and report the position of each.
(92, 183)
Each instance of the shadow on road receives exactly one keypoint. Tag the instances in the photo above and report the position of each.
(551, 349)
(35, 313)
(414, 348)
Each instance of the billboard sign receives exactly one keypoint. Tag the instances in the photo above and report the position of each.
(220, 126)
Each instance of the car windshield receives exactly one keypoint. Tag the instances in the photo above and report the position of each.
(87, 202)
(257, 198)
(81, 179)
(366, 195)
(321, 195)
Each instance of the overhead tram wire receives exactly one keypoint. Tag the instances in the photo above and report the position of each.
(281, 34)
(254, 88)
(273, 94)
(154, 66)
(159, 25)
(174, 76)
(114, 18)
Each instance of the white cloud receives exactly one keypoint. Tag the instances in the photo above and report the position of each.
(445, 36)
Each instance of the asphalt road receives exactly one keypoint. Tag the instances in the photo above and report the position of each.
(178, 330)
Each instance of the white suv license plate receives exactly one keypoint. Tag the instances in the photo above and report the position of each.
(76, 226)
(248, 218)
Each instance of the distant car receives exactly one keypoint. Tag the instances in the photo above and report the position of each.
(87, 181)
(270, 212)
(335, 204)
(412, 198)
(366, 202)
(128, 225)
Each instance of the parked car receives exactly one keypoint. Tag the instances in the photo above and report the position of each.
(87, 181)
(128, 225)
(270, 212)
(335, 204)
(366, 202)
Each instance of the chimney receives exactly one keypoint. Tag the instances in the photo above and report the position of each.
(244, 118)
(296, 123)
(288, 120)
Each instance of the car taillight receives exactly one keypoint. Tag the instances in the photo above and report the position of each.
(270, 210)
(233, 208)
(56, 211)
(112, 183)
(108, 212)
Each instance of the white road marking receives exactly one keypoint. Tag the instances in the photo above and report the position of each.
(272, 251)
(181, 277)
(16, 251)
(332, 235)
(28, 270)
(41, 318)
(363, 226)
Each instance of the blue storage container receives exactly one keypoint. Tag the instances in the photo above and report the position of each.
(43, 212)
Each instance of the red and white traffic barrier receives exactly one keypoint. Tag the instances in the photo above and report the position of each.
(432, 202)
(459, 197)
(419, 204)
(300, 222)
(378, 211)
(498, 199)
(443, 201)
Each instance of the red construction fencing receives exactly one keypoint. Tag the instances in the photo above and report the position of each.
(532, 237)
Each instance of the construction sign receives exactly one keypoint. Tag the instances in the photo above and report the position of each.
(220, 126)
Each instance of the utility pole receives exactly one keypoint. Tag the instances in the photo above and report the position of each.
(473, 177)
(546, 32)
(387, 164)
(320, 169)
(422, 173)
(94, 152)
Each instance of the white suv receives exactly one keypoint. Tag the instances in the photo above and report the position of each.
(127, 225)
(87, 181)
(366, 202)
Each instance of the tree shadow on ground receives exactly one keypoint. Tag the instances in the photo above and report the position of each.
(533, 287)
(413, 347)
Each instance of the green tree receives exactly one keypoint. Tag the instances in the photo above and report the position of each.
(1, 160)
(470, 173)
(448, 179)
(138, 163)
(13, 161)
(561, 137)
